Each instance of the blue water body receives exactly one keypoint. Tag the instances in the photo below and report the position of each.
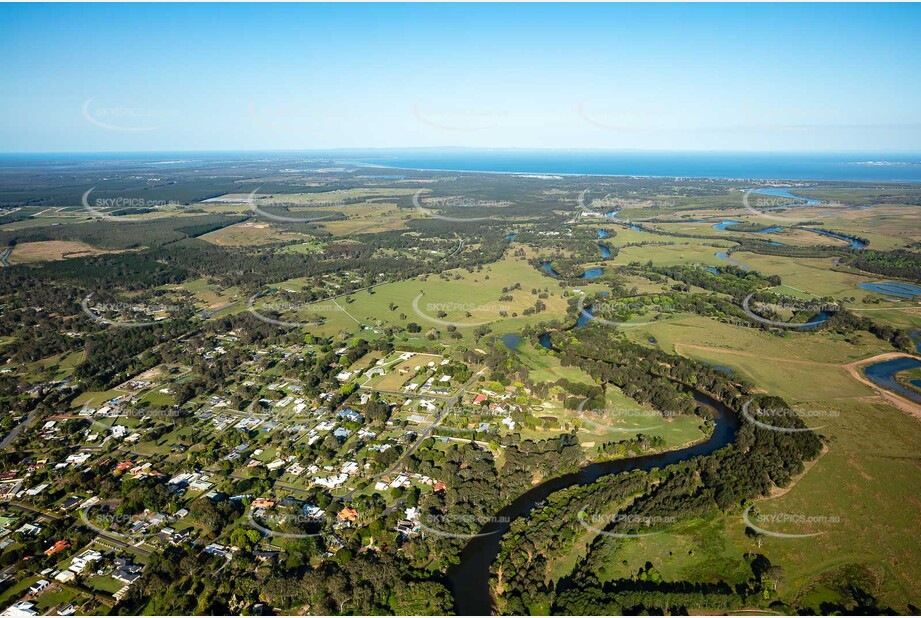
(916, 383)
(721, 368)
(817, 320)
(776, 244)
(792, 166)
(511, 237)
(592, 273)
(893, 288)
(916, 337)
(726, 226)
(544, 341)
(585, 316)
(549, 269)
(605, 252)
(874, 167)
(711, 270)
(783, 192)
(725, 256)
(635, 228)
(855, 244)
(883, 374)
(511, 340)
(602, 233)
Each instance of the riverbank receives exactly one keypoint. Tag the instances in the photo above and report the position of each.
(470, 578)
(905, 405)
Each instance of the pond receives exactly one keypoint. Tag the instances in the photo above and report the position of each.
(726, 226)
(547, 268)
(883, 374)
(585, 316)
(892, 288)
(725, 256)
(817, 320)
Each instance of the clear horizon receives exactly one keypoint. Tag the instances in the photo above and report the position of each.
(902, 153)
(788, 78)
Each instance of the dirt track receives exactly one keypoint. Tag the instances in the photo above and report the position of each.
(905, 405)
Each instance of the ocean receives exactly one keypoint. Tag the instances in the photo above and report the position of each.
(762, 166)
(865, 167)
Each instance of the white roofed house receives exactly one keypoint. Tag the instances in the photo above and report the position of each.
(22, 608)
(38, 586)
(79, 563)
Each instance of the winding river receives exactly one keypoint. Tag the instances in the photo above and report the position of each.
(856, 243)
(469, 580)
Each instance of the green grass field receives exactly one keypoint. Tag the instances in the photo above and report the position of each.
(868, 478)
(457, 293)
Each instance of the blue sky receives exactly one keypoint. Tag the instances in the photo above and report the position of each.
(807, 77)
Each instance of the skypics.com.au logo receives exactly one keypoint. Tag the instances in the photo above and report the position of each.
(272, 308)
(761, 524)
(609, 206)
(625, 308)
(601, 524)
(141, 313)
(441, 311)
(126, 119)
(814, 308)
(109, 207)
(596, 418)
(763, 416)
(456, 119)
(455, 203)
(763, 205)
(265, 205)
(449, 525)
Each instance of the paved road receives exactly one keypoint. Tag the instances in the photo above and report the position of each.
(28, 509)
(18, 429)
(106, 539)
(450, 402)
(402, 394)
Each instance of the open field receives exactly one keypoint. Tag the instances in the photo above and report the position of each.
(625, 418)
(855, 481)
(811, 275)
(367, 218)
(455, 293)
(546, 367)
(874, 500)
(42, 251)
(670, 255)
(251, 233)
